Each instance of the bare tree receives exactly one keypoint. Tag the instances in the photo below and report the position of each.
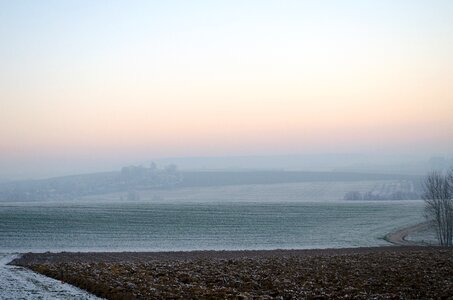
(438, 192)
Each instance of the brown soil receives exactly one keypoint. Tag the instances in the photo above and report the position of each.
(355, 273)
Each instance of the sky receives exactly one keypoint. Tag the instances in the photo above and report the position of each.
(102, 81)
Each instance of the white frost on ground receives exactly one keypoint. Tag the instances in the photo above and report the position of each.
(21, 283)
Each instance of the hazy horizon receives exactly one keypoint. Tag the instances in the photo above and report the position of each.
(331, 162)
(93, 85)
(194, 149)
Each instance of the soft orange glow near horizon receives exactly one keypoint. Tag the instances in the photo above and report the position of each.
(289, 78)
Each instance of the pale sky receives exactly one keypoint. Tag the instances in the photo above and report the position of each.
(136, 79)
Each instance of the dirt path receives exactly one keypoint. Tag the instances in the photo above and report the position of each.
(399, 237)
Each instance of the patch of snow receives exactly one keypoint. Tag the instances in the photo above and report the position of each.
(21, 283)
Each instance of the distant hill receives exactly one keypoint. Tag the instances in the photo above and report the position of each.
(69, 187)
(135, 178)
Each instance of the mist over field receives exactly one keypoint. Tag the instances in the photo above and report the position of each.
(226, 149)
(362, 163)
(223, 102)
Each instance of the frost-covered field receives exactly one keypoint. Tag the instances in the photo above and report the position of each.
(20, 283)
(294, 192)
(145, 226)
(284, 216)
